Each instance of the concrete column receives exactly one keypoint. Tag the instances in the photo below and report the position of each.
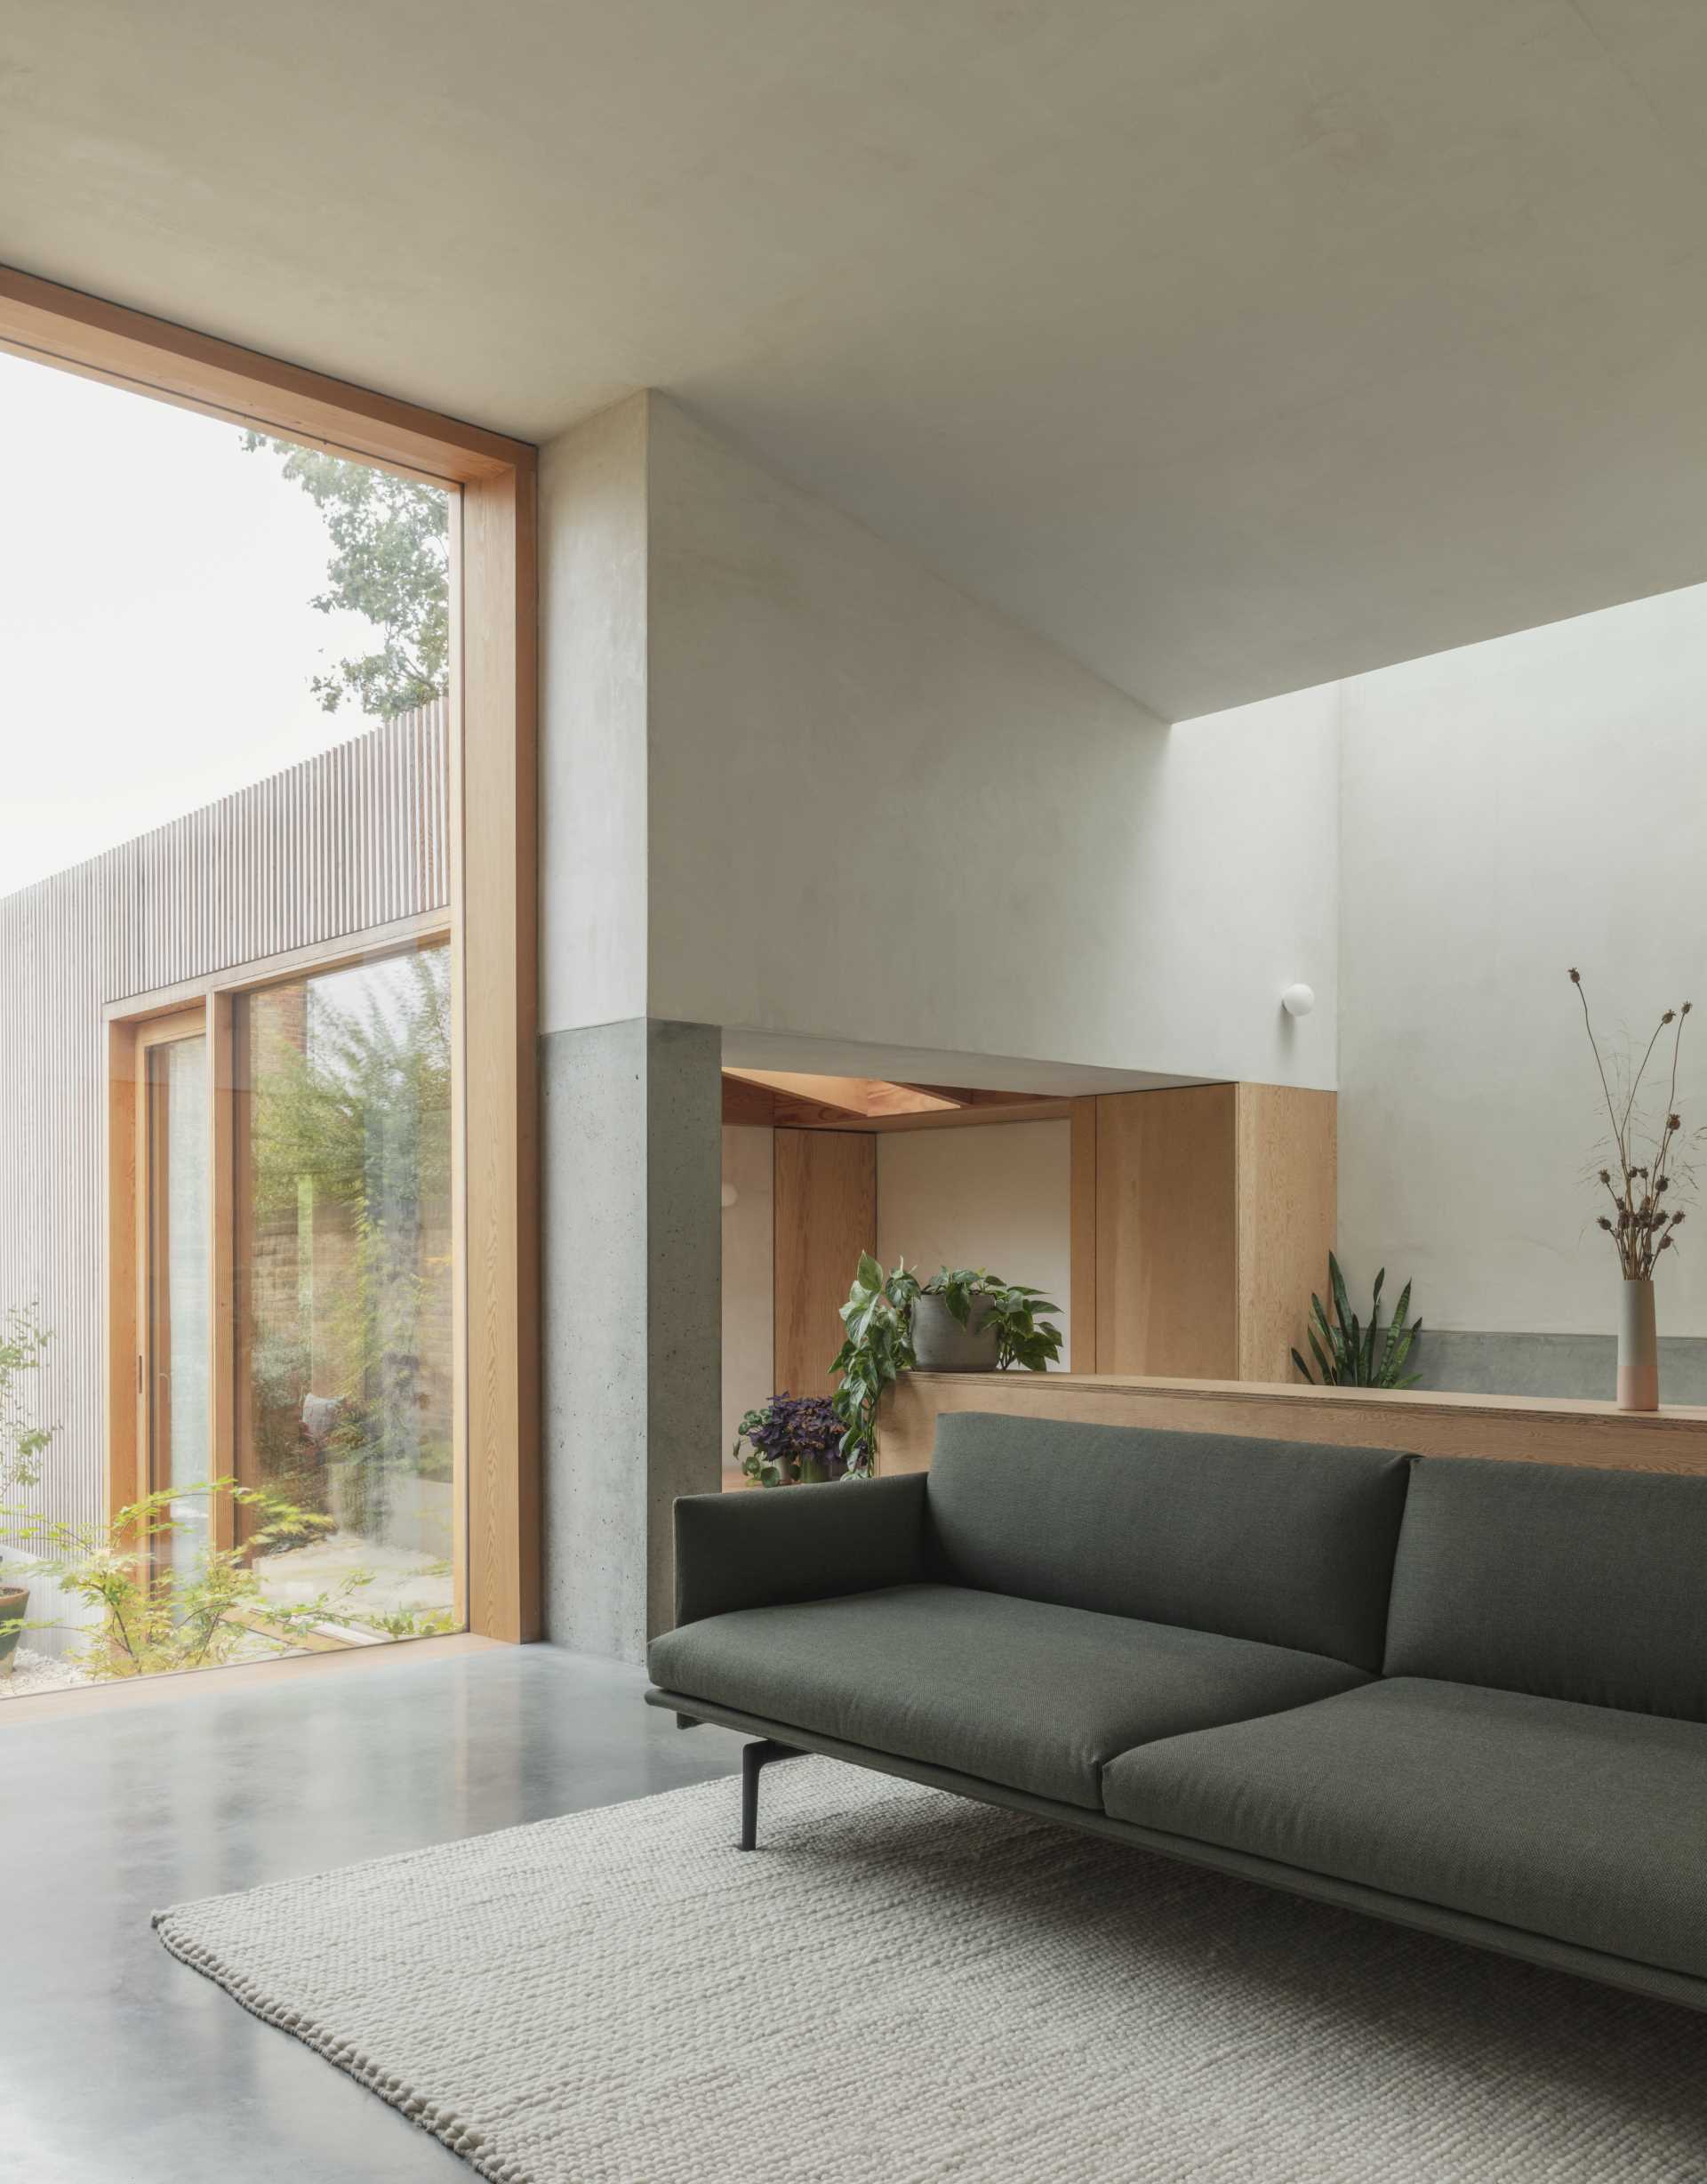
(632, 1312)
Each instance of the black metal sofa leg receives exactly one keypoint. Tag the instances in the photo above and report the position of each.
(753, 1759)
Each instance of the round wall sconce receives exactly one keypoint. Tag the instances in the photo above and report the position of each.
(1298, 1000)
(731, 1196)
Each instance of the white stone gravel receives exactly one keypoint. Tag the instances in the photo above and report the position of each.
(33, 1672)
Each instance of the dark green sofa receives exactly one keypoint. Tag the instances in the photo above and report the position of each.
(1469, 1696)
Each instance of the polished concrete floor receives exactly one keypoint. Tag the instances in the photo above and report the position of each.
(120, 2066)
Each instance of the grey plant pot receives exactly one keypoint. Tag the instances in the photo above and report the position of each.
(941, 1345)
(14, 1601)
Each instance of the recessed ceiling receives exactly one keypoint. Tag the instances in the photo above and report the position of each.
(798, 1100)
(1236, 344)
(802, 1058)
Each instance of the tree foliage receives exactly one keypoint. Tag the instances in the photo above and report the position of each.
(164, 1596)
(390, 561)
(369, 1070)
(23, 1352)
(361, 1112)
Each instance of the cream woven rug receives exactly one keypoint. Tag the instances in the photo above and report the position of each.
(898, 1986)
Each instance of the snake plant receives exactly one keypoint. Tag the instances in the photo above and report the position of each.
(1352, 1355)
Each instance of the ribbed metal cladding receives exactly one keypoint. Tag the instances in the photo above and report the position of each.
(354, 838)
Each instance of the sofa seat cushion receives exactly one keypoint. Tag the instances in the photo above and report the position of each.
(1035, 1696)
(1578, 1822)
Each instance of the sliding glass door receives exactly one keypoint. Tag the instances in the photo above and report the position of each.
(290, 1186)
(345, 1265)
(176, 1366)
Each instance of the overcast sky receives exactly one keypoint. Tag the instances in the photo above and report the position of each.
(155, 636)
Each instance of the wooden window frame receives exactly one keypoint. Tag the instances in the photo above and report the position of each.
(494, 919)
(134, 1423)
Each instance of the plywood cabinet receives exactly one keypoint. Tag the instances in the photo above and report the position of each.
(825, 1210)
(1202, 1216)
(1167, 1233)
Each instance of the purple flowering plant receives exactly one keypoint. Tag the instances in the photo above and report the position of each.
(792, 1439)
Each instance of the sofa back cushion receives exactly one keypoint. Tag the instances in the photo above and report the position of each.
(1285, 1542)
(1555, 1579)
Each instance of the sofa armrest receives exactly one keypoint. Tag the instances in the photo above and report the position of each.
(761, 1550)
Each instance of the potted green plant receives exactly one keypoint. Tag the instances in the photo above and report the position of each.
(880, 1318)
(966, 1320)
(23, 1347)
(945, 1342)
(791, 1441)
(1352, 1355)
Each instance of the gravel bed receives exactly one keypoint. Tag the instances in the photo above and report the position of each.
(32, 1673)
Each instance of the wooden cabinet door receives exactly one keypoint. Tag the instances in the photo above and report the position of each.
(826, 1214)
(1167, 1233)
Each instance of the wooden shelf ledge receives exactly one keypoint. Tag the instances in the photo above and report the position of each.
(1421, 1422)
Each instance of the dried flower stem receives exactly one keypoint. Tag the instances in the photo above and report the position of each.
(1643, 1229)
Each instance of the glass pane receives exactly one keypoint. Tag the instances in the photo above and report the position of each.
(228, 743)
(344, 1195)
(179, 1287)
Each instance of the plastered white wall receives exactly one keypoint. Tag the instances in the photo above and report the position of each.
(995, 1196)
(593, 763)
(1510, 810)
(879, 811)
(793, 784)
(749, 1314)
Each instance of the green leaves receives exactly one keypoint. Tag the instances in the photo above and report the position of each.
(879, 1318)
(164, 1606)
(790, 1439)
(1399, 1339)
(23, 1352)
(350, 1102)
(1023, 1338)
(1349, 1355)
(161, 1610)
(956, 1289)
(389, 561)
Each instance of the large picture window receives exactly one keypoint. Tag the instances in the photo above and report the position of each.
(297, 1250)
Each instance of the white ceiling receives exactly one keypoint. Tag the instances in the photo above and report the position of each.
(1237, 344)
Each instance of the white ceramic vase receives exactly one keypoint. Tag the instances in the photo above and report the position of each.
(1638, 1348)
